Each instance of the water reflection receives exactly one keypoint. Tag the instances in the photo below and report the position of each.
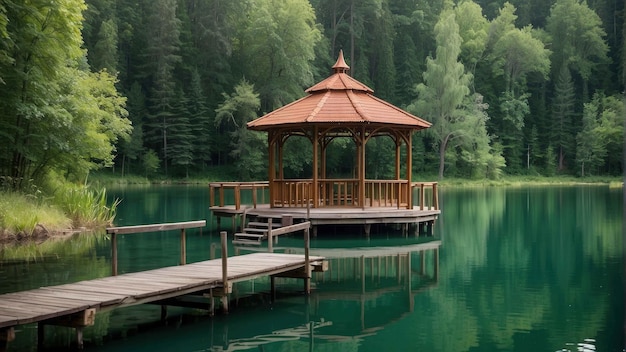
(517, 269)
(364, 291)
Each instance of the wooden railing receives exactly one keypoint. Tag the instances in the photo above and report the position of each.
(123, 230)
(345, 192)
(292, 193)
(387, 193)
(299, 193)
(427, 196)
(256, 188)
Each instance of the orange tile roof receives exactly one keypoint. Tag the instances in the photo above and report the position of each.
(339, 99)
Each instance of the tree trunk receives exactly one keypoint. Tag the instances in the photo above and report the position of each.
(442, 155)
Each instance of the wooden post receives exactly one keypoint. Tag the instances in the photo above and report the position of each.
(270, 240)
(114, 254)
(307, 266)
(435, 196)
(254, 196)
(6, 335)
(225, 283)
(79, 338)
(311, 336)
(237, 197)
(183, 247)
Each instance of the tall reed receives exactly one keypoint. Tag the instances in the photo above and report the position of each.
(85, 206)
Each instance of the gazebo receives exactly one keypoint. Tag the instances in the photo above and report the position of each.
(337, 107)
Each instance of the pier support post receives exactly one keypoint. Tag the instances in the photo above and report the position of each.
(114, 254)
(163, 312)
(270, 238)
(183, 247)
(307, 265)
(367, 228)
(6, 335)
(77, 321)
(225, 283)
(431, 228)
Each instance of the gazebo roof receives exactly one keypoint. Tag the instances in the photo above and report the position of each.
(337, 100)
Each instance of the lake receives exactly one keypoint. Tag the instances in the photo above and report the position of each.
(516, 269)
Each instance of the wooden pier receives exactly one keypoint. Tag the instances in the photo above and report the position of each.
(76, 304)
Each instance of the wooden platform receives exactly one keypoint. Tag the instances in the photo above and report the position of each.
(76, 304)
(332, 216)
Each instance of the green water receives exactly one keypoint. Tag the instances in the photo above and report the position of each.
(518, 269)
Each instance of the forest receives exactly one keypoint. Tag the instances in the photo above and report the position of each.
(164, 88)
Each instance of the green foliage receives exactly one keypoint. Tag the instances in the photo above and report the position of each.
(105, 50)
(85, 206)
(275, 44)
(175, 59)
(577, 37)
(550, 161)
(20, 213)
(602, 135)
(150, 162)
(247, 147)
(459, 120)
(561, 129)
(473, 28)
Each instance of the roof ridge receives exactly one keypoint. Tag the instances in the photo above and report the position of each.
(356, 104)
(318, 107)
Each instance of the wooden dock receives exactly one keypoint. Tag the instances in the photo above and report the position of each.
(76, 304)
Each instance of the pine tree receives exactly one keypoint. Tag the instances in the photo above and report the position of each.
(161, 54)
(562, 137)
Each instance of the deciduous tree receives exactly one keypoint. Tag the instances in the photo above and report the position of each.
(247, 147)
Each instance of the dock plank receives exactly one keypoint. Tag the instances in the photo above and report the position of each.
(136, 288)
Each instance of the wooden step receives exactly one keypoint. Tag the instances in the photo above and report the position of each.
(248, 235)
(255, 230)
(263, 224)
(247, 242)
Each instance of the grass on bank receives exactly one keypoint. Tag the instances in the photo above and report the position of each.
(222, 174)
(67, 207)
(21, 213)
(612, 181)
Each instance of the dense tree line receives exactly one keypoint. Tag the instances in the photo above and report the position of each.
(519, 87)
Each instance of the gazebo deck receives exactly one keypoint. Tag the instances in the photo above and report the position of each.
(334, 215)
(424, 213)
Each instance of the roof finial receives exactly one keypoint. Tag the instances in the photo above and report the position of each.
(340, 66)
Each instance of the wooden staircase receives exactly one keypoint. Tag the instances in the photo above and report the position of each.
(255, 232)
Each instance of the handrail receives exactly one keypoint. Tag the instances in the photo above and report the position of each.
(342, 192)
(237, 187)
(122, 230)
(434, 200)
